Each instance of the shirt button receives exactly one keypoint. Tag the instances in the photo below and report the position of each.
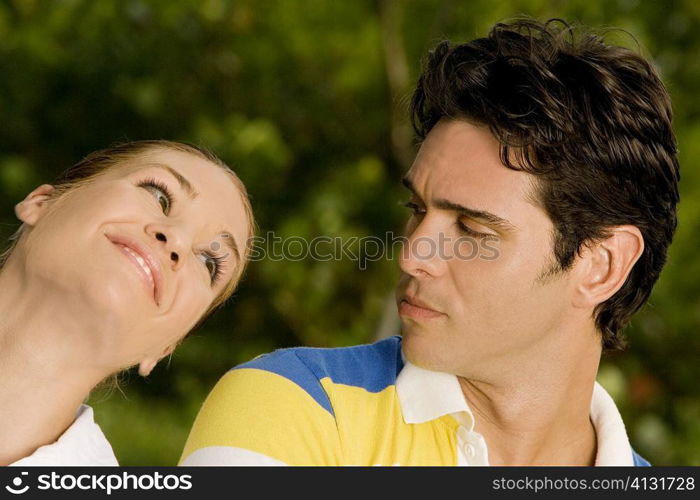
(470, 451)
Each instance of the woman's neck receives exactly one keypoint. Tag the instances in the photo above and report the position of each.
(45, 365)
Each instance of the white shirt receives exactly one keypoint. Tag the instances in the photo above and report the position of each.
(426, 395)
(83, 443)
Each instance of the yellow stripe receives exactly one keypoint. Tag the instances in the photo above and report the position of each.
(266, 413)
(373, 432)
(269, 414)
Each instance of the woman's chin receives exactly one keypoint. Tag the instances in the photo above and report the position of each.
(117, 302)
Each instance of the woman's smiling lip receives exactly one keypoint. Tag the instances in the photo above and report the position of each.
(156, 273)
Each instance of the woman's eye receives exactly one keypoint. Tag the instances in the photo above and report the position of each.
(213, 265)
(209, 263)
(161, 193)
(164, 203)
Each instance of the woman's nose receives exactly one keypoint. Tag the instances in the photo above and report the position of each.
(174, 257)
(173, 241)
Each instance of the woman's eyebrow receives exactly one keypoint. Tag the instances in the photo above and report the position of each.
(185, 185)
(231, 244)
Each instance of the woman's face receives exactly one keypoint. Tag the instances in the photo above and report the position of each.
(143, 250)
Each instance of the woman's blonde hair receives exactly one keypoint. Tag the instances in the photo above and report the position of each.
(96, 163)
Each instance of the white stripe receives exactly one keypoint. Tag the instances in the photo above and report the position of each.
(228, 455)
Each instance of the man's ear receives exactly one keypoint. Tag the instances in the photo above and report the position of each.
(30, 210)
(606, 265)
(147, 365)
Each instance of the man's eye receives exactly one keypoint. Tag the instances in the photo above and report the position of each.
(465, 229)
(414, 207)
(161, 192)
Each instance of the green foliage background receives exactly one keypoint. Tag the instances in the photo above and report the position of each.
(306, 100)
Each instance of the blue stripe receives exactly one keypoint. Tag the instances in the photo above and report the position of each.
(639, 461)
(373, 367)
(286, 363)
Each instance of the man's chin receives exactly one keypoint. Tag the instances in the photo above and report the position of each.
(419, 350)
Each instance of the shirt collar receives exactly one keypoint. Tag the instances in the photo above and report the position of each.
(83, 443)
(426, 395)
(613, 444)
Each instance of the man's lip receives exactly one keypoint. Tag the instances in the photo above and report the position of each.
(148, 258)
(415, 307)
(416, 301)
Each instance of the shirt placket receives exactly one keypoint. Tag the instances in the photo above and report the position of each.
(471, 446)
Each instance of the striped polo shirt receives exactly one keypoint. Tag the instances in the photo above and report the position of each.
(360, 405)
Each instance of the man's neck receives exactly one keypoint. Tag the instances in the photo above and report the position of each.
(540, 414)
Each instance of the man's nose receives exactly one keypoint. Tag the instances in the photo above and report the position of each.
(423, 253)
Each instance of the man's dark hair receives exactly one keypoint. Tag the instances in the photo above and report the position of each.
(591, 121)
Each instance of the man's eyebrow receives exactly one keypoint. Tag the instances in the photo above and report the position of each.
(184, 183)
(488, 217)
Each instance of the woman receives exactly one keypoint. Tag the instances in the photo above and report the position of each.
(113, 265)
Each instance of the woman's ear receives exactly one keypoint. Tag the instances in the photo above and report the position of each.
(30, 210)
(147, 365)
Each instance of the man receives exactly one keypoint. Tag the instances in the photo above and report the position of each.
(556, 150)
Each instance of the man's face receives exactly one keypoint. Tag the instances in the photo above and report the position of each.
(483, 298)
